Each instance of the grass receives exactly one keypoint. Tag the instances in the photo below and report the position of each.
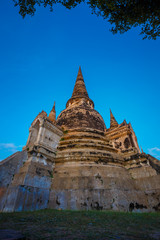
(81, 225)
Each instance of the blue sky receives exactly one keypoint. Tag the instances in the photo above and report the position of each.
(39, 60)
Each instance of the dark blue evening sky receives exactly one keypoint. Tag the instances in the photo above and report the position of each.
(39, 60)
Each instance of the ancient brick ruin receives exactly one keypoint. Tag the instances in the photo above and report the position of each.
(75, 162)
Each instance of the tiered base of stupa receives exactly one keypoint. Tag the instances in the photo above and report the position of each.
(89, 174)
(87, 186)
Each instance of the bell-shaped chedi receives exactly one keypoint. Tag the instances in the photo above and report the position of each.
(84, 136)
(113, 122)
(80, 112)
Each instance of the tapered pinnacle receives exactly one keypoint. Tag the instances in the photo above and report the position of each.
(80, 88)
(53, 109)
(52, 115)
(80, 73)
(113, 122)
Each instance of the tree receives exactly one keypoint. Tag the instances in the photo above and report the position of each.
(122, 14)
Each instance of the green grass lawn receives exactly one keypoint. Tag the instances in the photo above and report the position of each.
(69, 225)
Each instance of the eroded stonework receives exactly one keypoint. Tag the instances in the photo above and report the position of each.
(75, 162)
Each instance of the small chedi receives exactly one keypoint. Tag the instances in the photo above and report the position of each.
(75, 162)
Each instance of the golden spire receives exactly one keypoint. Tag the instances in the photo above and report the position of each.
(52, 115)
(113, 122)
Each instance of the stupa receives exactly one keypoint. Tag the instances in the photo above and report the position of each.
(75, 162)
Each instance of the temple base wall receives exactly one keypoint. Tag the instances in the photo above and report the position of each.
(8, 168)
(103, 187)
(30, 187)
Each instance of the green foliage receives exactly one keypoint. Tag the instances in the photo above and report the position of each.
(65, 132)
(122, 14)
(51, 175)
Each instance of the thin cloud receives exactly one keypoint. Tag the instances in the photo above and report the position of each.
(154, 152)
(10, 147)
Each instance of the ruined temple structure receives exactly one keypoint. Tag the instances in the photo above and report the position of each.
(75, 162)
